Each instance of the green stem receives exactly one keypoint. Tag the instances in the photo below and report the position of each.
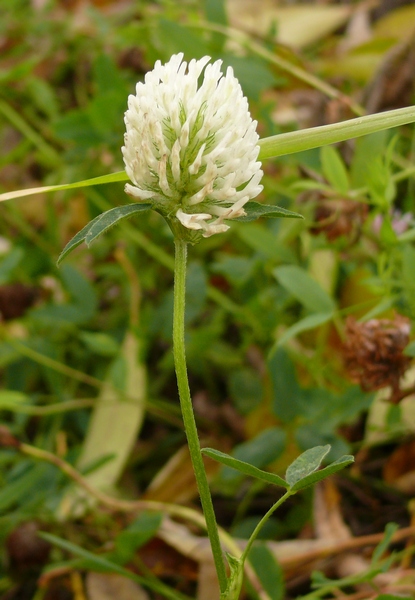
(187, 409)
(261, 523)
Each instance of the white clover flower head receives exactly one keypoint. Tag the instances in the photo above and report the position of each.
(191, 146)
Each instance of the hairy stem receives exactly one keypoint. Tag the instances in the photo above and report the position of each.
(187, 409)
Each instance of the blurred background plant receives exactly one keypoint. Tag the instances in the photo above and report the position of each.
(299, 332)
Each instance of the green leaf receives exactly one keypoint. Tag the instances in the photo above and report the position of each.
(381, 548)
(244, 467)
(102, 564)
(76, 127)
(9, 262)
(98, 562)
(83, 293)
(215, 12)
(334, 169)
(304, 288)
(268, 570)
(309, 322)
(9, 399)
(237, 269)
(100, 343)
(382, 306)
(314, 137)
(254, 210)
(177, 38)
(263, 240)
(107, 75)
(243, 67)
(111, 178)
(317, 476)
(410, 349)
(287, 397)
(308, 462)
(373, 145)
(246, 389)
(196, 290)
(27, 488)
(143, 529)
(262, 449)
(109, 218)
(101, 224)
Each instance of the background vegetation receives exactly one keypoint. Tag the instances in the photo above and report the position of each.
(299, 332)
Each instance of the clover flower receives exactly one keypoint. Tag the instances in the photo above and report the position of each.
(191, 145)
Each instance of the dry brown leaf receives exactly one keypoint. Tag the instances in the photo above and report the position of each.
(295, 556)
(327, 517)
(399, 469)
(107, 586)
(297, 26)
(208, 588)
(394, 82)
(358, 31)
(115, 423)
(329, 525)
(175, 482)
(198, 549)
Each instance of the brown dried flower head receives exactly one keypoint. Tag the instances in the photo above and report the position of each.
(373, 353)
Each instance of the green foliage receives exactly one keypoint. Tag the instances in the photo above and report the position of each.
(135, 536)
(268, 571)
(299, 475)
(243, 467)
(101, 224)
(303, 471)
(334, 169)
(304, 289)
(99, 563)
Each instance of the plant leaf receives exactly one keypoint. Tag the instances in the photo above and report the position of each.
(101, 224)
(410, 349)
(254, 210)
(102, 564)
(314, 137)
(268, 570)
(109, 218)
(316, 476)
(9, 399)
(110, 178)
(305, 289)
(309, 322)
(381, 548)
(308, 462)
(334, 169)
(244, 467)
(98, 562)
